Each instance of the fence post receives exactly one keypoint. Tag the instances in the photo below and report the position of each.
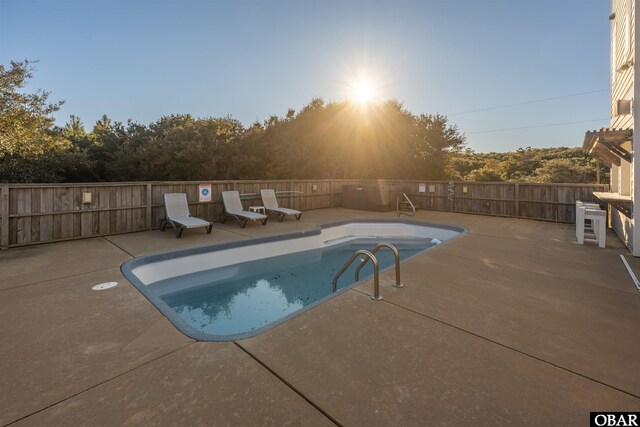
(291, 195)
(4, 214)
(149, 208)
(451, 191)
(331, 190)
(517, 199)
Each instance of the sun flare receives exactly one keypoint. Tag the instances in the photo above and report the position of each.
(362, 91)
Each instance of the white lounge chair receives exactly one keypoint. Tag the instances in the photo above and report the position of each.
(177, 215)
(271, 205)
(233, 207)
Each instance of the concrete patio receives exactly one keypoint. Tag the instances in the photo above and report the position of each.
(511, 323)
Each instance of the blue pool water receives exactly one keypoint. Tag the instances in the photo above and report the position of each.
(248, 296)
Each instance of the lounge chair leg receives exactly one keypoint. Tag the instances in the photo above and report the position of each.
(281, 217)
(209, 228)
(264, 221)
(243, 223)
(179, 231)
(175, 230)
(298, 217)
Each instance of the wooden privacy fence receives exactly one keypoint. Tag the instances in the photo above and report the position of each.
(541, 201)
(40, 213)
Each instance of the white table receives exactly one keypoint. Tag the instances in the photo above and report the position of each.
(258, 209)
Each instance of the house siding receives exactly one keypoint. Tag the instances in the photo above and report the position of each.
(623, 47)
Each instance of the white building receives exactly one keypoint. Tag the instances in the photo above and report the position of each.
(615, 146)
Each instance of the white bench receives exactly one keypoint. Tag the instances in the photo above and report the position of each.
(598, 219)
(581, 224)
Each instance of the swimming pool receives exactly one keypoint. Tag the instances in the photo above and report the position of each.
(239, 289)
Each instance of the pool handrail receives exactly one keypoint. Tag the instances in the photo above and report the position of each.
(398, 283)
(376, 285)
(406, 202)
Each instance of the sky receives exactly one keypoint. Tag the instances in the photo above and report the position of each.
(142, 60)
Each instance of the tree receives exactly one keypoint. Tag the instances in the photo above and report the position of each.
(181, 147)
(29, 141)
(437, 140)
(564, 170)
(118, 150)
(345, 140)
(528, 164)
(74, 130)
(488, 172)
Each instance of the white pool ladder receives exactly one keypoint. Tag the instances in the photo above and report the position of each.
(376, 270)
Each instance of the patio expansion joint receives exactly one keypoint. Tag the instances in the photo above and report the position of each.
(235, 232)
(144, 331)
(119, 247)
(39, 282)
(632, 291)
(483, 218)
(628, 393)
(99, 384)
(288, 384)
(494, 236)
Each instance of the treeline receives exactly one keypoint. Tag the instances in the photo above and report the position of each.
(322, 140)
(568, 165)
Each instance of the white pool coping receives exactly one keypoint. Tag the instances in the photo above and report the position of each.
(169, 267)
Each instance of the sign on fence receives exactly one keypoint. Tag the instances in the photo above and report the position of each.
(204, 190)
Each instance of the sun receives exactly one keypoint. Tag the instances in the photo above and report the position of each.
(362, 91)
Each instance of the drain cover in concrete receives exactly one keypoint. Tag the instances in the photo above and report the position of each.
(103, 286)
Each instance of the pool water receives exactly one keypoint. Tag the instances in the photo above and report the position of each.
(244, 297)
